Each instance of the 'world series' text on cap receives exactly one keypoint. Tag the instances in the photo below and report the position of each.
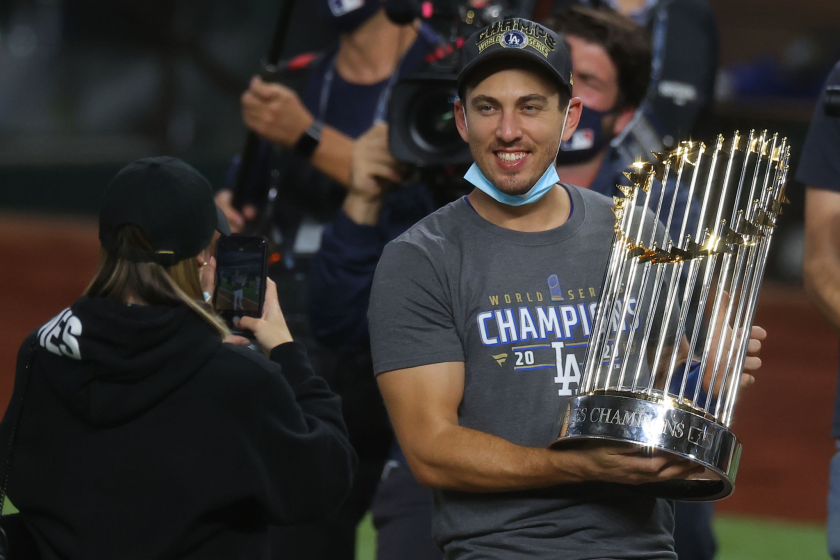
(516, 32)
(517, 37)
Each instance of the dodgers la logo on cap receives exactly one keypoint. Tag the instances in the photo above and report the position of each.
(514, 39)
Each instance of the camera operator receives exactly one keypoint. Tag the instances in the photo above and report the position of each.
(684, 66)
(309, 123)
(146, 431)
(819, 169)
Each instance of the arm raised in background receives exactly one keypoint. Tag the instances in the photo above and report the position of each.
(275, 112)
(821, 265)
(341, 272)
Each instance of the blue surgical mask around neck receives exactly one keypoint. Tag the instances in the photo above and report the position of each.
(540, 188)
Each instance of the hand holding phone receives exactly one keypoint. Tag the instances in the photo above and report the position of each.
(270, 330)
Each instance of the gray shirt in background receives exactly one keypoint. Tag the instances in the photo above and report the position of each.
(517, 309)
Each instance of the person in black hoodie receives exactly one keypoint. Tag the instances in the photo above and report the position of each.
(144, 435)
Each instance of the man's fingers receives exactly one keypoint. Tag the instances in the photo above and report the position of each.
(680, 470)
(724, 304)
(753, 347)
(758, 333)
(379, 156)
(385, 172)
(752, 363)
(747, 380)
(620, 448)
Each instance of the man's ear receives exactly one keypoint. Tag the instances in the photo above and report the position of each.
(572, 120)
(622, 119)
(461, 120)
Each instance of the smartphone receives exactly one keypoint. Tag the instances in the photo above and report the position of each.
(241, 264)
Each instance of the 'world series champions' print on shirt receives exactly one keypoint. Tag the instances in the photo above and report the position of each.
(546, 330)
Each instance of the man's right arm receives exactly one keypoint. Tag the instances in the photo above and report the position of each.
(821, 266)
(423, 405)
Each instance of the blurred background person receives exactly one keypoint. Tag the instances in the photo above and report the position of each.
(819, 169)
(309, 122)
(146, 430)
(611, 59)
(683, 69)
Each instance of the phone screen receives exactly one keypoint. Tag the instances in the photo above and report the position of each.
(240, 276)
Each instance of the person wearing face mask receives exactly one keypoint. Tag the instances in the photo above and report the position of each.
(309, 123)
(684, 65)
(611, 56)
(457, 297)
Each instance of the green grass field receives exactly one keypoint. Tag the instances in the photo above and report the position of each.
(739, 538)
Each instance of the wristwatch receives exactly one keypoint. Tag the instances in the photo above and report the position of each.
(309, 140)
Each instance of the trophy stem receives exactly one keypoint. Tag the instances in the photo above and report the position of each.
(615, 273)
(629, 288)
(775, 196)
(752, 282)
(713, 246)
(644, 281)
(692, 269)
(747, 152)
(698, 322)
(593, 347)
(631, 335)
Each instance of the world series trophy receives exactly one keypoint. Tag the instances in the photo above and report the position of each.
(652, 375)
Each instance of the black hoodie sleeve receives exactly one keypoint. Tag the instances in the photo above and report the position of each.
(310, 475)
(11, 409)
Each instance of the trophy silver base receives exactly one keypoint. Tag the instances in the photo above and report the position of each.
(661, 424)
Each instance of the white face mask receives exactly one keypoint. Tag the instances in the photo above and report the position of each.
(540, 188)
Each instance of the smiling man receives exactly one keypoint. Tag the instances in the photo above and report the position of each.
(479, 319)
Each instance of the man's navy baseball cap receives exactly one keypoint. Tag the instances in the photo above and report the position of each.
(517, 38)
(170, 201)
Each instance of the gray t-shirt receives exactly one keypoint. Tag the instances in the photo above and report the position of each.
(517, 309)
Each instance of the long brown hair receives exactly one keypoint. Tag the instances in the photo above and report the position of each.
(154, 284)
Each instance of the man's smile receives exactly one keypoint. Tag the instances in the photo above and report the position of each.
(511, 159)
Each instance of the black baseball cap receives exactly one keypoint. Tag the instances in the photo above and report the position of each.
(517, 38)
(170, 201)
